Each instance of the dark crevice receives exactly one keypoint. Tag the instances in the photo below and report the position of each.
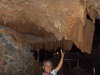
(96, 47)
(88, 17)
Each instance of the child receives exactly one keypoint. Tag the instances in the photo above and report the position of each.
(47, 66)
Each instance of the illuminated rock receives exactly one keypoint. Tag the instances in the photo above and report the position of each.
(35, 24)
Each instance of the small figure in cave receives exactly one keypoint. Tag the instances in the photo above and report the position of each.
(47, 66)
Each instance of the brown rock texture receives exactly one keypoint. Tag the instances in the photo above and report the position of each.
(14, 60)
(34, 24)
(45, 22)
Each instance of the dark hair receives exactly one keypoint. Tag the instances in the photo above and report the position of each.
(47, 61)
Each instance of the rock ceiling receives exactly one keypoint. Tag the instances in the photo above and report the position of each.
(50, 23)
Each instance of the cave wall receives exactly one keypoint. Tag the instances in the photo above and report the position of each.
(15, 59)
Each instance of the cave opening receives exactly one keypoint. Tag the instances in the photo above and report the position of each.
(96, 47)
(75, 61)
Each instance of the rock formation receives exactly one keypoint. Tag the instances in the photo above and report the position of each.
(34, 24)
(15, 61)
(47, 21)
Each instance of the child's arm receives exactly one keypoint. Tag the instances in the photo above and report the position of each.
(60, 62)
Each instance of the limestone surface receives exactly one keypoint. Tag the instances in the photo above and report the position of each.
(46, 22)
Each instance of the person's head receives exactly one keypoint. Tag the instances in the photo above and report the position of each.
(47, 66)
